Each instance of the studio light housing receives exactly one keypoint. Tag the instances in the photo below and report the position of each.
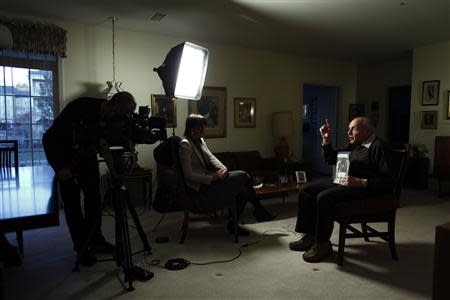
(183, 71)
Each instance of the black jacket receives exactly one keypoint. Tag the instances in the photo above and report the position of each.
(373, 164)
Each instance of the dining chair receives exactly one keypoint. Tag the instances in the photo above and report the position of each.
(9, 159)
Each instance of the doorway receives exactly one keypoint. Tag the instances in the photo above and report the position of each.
(399, 113)
(319, 103)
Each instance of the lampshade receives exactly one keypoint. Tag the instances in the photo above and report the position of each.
(6, 40)
(183, 71)
(282, 124)
(113, 86)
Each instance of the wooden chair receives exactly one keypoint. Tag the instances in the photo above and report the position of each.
(9, 159)
(377, 209)
(173, 176)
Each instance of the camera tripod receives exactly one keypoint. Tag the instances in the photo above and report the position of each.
(122, 203)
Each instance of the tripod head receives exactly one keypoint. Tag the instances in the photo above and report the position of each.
(119, 161)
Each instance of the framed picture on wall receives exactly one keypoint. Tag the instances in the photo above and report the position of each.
(429, 119)
(244, 112)
(212, 105)
(448, 105)
(430, 92)
(165, 107)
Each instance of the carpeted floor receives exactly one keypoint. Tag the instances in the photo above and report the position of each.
(265, 269)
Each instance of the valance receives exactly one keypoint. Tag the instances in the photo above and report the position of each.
(36, 37)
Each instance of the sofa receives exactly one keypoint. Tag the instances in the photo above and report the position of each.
(267, 170)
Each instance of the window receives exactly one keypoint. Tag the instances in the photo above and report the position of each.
(28, 101)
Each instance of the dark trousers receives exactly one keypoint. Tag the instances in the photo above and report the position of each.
(237, 187)
(82, 222)
(316, 207)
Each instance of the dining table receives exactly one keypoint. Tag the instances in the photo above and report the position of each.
(28, 200)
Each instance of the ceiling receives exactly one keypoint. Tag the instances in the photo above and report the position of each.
(355, 30)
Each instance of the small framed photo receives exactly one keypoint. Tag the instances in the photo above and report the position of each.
(429, 120)
(430, 92)
(244, 112)
(212, 105)
(355, 110)
(165, 107)
(448, 106)
(300, 176)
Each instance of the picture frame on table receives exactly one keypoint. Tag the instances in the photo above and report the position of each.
(212, 105)
(244, 112)
(164, 107)
(430, 92)
(429, 119)
(300, 176)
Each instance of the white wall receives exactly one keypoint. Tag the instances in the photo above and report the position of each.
(274, 79)
(430, 63)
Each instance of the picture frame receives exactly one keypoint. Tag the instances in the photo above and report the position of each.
(300, 176)
(244, 112)
(355, 110)
(430, 92)
(212, 105)
(429, 119)
(164, 107)
(448, 105)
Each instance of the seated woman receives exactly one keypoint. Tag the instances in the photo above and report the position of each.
(212, 186)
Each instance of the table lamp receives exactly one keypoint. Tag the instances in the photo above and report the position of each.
(282, 127)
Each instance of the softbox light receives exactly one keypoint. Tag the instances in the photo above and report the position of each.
(183, 71)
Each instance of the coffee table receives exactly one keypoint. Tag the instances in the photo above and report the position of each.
(276, 190)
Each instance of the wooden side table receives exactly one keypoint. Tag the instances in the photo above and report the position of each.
(142, 177)
(276, 190)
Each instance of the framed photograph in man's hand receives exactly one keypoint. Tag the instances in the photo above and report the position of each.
(165, 107)
(212, 105)
(342, 166)
(430, 92)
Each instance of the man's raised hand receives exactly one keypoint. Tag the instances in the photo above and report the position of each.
(325, 132)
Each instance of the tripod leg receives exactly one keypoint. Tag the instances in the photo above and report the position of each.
(138, 225)
(123, 246)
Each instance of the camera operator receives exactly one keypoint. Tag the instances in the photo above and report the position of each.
(71, 145)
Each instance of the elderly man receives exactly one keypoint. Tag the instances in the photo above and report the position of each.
(369, 174)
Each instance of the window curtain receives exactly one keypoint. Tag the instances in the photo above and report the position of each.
(36, 37)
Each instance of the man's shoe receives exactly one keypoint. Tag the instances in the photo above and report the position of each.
(303, 244)
(103, 247)
(262, 215)
(318, 252)
(241, 231)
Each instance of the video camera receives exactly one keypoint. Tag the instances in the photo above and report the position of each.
(137, 128)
